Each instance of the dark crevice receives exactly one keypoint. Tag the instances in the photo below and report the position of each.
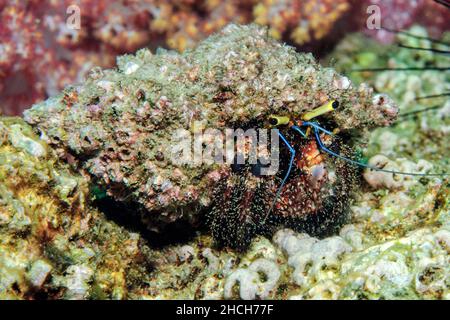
(128, 216)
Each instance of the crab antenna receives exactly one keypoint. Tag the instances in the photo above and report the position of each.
(357, 163)
(382, 69)
(407, 114)
(433, 96)
(443, 2)
(317, 127)
(424, 49)
(299, 131)
(291, 162)
(415, 36)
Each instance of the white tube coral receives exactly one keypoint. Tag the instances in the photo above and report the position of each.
(251, 285)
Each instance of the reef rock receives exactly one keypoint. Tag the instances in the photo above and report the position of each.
(53, 244)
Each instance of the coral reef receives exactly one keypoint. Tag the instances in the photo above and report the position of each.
(40, 55)
(396, 244)
(391, 180)
(422, 132)
(371, 258)
(119, 126)
(299, 20)
(186, 23)
(52, 243)
(250, 284)
(41, 52)
(413, 142)
(402, 14)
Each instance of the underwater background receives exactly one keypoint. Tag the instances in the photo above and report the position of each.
(63, 235)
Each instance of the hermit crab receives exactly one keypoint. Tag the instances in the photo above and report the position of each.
(123, 129)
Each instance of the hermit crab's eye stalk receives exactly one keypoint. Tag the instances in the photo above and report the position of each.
(327, 107)
(278, 120)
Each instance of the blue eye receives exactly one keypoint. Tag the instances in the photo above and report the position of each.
(335, 104)
(273, 121)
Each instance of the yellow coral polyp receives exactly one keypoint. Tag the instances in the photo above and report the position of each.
(159, 25)
(274, 33)
(300, 35)
(178, 42)
(260, 14)
(192, 30)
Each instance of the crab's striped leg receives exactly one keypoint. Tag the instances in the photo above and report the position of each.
(291, 162)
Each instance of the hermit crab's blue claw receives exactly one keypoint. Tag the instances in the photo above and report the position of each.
(299, 131)
(316, 126)
(291, 162)
(292, 158)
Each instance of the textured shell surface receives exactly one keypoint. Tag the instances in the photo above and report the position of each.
(119, 124)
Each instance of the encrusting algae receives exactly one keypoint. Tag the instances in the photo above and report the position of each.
(53, 244)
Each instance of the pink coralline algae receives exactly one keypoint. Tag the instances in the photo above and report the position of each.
(402, 14)
(36, 58)
(40, 53)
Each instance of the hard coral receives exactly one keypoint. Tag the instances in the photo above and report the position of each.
(299, 20)
(53, 244)
(402, 14)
